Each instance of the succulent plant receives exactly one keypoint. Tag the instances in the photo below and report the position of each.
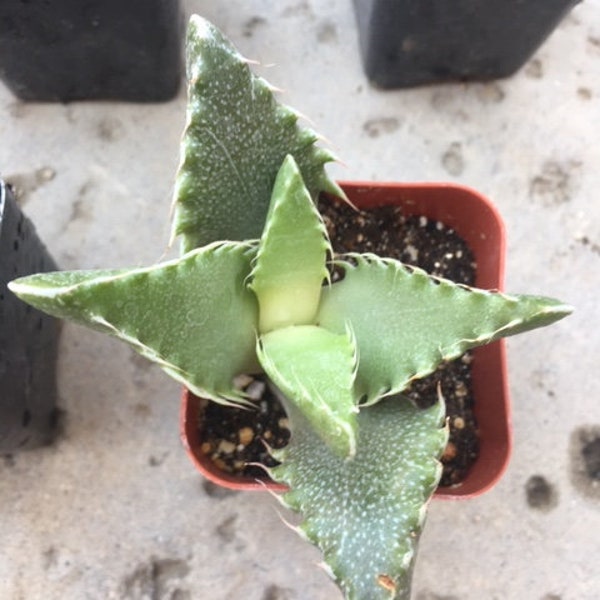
(251, 293)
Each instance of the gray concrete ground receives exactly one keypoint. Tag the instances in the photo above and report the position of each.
(115, 509)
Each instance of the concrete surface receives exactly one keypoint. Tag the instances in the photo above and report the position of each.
(115, 510)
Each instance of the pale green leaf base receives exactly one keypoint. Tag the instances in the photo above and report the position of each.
(315, 369)
(290, 264)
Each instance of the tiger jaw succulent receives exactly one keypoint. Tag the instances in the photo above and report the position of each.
(251, 293)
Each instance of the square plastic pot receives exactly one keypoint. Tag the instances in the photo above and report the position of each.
(476, 220)
(69, 50)
(28, 338)
(406, 43)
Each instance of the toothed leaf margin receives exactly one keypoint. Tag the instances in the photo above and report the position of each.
(366, 514)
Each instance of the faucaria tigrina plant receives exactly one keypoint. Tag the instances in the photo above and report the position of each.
(251, 293)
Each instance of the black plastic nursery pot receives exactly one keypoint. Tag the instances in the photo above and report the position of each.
(406, 43)
(476, 221)
(28, 338)
(64, 50)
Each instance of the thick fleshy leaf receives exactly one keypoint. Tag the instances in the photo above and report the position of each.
(290, 264)
(315, 369)
(235, 140)
(193, 316)
(407, 322)
(366, 514)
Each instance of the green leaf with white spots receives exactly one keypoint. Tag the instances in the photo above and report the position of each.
(315, 369)
(407, 322)
(366, 514)
(235, 140)
(290, 263)
(193, 316)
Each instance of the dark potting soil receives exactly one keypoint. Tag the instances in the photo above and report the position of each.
(236, 439)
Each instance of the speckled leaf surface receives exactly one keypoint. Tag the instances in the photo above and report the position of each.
(235, 140)
(366, 514)
(194, 316)
(407, 322)
(290, 263)
(315, 369)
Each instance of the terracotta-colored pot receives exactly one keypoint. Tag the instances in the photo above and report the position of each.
(476, 220)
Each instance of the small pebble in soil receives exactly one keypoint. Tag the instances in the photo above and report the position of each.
(236, 439)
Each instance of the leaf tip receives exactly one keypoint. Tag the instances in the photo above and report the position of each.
(387, 583)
